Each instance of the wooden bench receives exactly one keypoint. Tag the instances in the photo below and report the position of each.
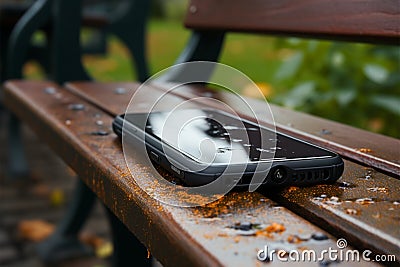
(203, 236)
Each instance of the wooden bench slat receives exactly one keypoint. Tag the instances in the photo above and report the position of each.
(366, 21)
(198, 236)
(68, 133)
(334, 218)
(380, 151)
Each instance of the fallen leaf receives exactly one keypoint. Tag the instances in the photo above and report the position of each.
(275, 228)
(364, 150)
(92, 240)
(262, 90)
(35, 230)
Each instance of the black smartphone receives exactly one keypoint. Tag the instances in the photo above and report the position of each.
(217, 141)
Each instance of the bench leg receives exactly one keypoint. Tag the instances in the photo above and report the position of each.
(137, 48)
(17, 164)
(64, 243)
(128, 250)
(130, 27)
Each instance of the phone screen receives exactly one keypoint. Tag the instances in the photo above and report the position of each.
(210, 136)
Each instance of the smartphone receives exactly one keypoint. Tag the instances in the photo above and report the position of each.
(199, 145)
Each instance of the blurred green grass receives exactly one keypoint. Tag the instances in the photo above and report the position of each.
(357, 84)
(166, 39)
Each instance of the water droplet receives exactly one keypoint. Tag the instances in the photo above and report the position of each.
(366, 177)
(50, 90)
(120, 91)
(99, 123)
(323, 196)
(304, 237)
(193, 9)
(352, 211)
(345, 185)
(396, 202)
(244, 226)
(247, 145)
(325, 132)
(100, 133)
(236, 140)
(76, 107)
(378, 189)
(365, 201)
(333, 201)
(319, 236)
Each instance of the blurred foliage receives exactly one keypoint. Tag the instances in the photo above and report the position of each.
(356, 84)
(171, 9)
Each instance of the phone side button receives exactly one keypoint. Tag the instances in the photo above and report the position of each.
(177, 171)
(154, 156)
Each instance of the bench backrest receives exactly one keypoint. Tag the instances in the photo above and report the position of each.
(353, 20)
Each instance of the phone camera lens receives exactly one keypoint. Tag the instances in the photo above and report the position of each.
(279, 175)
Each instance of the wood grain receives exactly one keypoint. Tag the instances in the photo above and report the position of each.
(361, 228)
(176, 236)
(381, 151)
(355, 20)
